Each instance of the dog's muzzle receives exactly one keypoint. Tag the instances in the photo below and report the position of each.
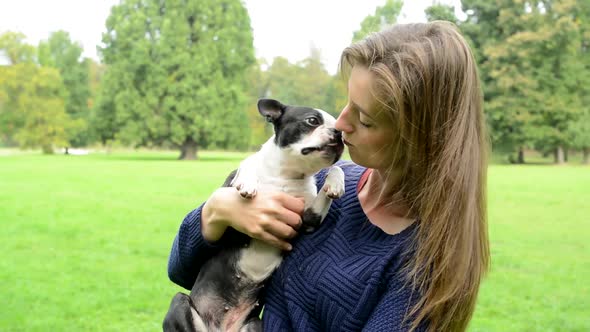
(334, 144)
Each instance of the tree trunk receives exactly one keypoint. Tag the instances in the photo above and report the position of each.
(188, 150)
(565, 154)
(519, 157)
(559, 157)
(66, 150)
(586, 159)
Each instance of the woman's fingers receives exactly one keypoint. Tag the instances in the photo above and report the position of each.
(270, 217)
(289, 209)
(290, 218)
(275, 241)
(272, 233)
(281, 230)
(295, 204)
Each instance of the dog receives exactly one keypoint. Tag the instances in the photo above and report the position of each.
(225, 295)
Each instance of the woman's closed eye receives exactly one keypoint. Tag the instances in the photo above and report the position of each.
(364, 124)
(361, 114)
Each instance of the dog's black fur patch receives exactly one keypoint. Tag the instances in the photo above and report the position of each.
(179, 317)
(289, 121)
(310, 221)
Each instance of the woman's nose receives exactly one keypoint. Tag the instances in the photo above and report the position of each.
(342, 123)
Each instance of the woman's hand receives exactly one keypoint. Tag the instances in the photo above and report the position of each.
(270, 217)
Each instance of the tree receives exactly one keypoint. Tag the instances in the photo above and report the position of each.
(337, 94)
(258, 87)
(483, 31)
(440, 12)
(60, 52)
(32, 112)
(529, 53)
(305, 83)
(14, 46)
(511, 103)
(579, 132)
(559, 72)
(384, 15)
(176, 74)
(32, 108)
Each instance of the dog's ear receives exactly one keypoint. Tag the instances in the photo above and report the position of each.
(270, 109)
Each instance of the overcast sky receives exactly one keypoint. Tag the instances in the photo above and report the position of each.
(285, 28)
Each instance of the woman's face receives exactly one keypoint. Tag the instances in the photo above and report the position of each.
(366, 132)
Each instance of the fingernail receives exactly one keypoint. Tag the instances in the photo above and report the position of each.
(288, 247)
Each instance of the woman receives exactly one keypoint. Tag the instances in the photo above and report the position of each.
(407, 246)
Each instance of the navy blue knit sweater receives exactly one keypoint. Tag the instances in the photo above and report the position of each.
(344, 277)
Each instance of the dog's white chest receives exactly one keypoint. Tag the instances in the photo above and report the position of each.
(259, 260)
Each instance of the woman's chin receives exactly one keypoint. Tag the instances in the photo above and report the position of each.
(355, 157)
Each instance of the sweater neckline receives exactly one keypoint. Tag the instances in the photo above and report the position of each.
(363, 179)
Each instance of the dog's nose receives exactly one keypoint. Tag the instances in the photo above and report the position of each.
(336, 134)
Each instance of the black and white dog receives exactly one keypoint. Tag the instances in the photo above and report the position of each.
(225, 294)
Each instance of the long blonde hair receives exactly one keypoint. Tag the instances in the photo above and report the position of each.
(425, 79)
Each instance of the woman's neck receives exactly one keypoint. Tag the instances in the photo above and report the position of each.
(378, 200)
(382, 186)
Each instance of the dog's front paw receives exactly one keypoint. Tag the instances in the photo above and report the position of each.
(246, 190)
(334, 184)
(310, 221)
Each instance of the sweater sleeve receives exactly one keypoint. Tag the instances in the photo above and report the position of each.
(189, 251)
(390, 312)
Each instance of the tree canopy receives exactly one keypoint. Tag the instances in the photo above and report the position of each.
(65, 55)
(383, 16)
(176, 74)
(32, 110)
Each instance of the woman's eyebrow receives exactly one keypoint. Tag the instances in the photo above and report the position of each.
(358, 108)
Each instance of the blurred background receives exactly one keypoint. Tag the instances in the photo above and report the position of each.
(99, 100)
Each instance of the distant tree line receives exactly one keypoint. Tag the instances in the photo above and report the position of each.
(183, 75)
(534, 60)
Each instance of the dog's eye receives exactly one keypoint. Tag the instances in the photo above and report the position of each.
(312, 121)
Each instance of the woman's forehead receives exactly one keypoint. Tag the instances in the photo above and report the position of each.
(359, 92)
(359, 87)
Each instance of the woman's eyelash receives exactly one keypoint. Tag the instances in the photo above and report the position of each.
(354, 108)
(364, 124)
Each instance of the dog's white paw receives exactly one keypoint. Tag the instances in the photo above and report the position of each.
(247, 190)
(334, 184)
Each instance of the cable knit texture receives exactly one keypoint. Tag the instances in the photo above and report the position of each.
(344, 277)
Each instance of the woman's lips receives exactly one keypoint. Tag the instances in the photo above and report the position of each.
(346, 142)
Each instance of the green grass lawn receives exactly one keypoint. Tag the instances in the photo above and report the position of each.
(85, 241)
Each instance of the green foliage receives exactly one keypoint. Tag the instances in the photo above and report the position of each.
(258, 85)
(60, 52)
(530, 55)
(441, 12)
(32, 107)
(32, 110)
(304, 83)
(14, 46)
(176, 74)
(384, 15)
(579, 132)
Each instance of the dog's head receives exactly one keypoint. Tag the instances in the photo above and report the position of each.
(303, 132)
